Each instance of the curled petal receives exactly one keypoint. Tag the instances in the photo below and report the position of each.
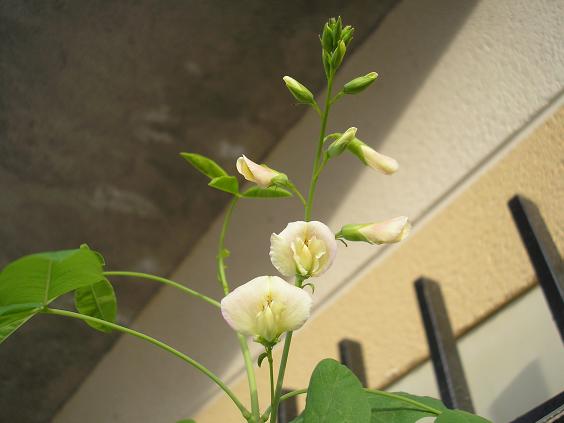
(253, 172)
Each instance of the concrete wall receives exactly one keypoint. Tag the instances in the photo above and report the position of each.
(461, 85)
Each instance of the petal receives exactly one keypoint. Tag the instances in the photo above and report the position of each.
(388, 231)
(240, 307)
(243, 168)
(323, 233)
(281, 255)
(379, 161)
(296, 304)
(262, 176)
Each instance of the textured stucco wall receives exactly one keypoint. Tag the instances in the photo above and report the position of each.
(458, 81)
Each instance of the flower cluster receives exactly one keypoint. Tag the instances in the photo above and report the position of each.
(268, 306)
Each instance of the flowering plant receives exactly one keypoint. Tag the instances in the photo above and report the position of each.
(267, 308)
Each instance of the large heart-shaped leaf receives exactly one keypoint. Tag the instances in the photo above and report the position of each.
(97, 300)
(391, 410)
(32, 282)
(335, 395)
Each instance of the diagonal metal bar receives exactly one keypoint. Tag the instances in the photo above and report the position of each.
(543, 253)
(287, 410)
(442, 345)
(350, 353)
(551, 411)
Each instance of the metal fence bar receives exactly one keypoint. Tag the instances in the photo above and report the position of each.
(442, 345)
(350, 353)
(543, 254)
(288, 409)
(551, 411)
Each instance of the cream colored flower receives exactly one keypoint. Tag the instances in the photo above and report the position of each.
(259, 174)
(386, 232)
(304, 248)
(266, 307)
(372, 158)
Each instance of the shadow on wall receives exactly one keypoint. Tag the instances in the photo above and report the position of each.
(516, 396)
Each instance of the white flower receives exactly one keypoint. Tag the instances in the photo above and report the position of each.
(304, 248)
(372, 158)
(266, 307)
(259, 174)
(386, 232)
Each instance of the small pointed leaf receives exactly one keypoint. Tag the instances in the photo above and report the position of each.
(270, 192)
(225, 183)
(207, 166)
(261, 357)
(97, 300)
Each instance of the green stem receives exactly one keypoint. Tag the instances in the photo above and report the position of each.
(316, 163)
(271, 373)
(282, 369)
(220, 249)
(159, 344)
(296, 191)
(404, 399)
(166, 282)
(284, 398)
(255, 410)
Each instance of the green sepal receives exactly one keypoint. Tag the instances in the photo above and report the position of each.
(355, 147)
(359, 84)
(351, 232)
(205, 165)
(97, 300)
(261, 357)
(228, 184)
(270, 192)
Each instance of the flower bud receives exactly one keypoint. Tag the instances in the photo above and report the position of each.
(338, 54)
(339, 145)
(300, 93)
(327, 38)
(265, 308)
(347, 34)
(386, 232)
(303, 248)
(372, 158)
(359, 84)
(261, 175)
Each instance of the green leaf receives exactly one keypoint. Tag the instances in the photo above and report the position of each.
(207, 166)
(335, 395)
(459, 416)
(270, 192)
(391, 410)
(299, 419)
(186, 421)
(32, 282)
(225, 183)
(97, 300)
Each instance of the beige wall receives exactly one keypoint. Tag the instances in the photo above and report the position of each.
(461, 84)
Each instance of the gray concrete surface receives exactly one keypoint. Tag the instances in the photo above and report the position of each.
(97, 99)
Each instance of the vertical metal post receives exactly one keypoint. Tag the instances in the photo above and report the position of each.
(350, 353)
(442, 345)
(543, 254)
(288, 409)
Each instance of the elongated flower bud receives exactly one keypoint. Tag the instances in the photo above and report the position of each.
(340, 144)
(360, 84)
(386, 232)
(261, 175)
(265, 308)
(299, 91)
(372, 158)
(338, 55)
(303, 248)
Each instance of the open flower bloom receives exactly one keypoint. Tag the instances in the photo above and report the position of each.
(372, 158)
(259, 174)
(304, 248)
(266, 307)
(386, 232)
